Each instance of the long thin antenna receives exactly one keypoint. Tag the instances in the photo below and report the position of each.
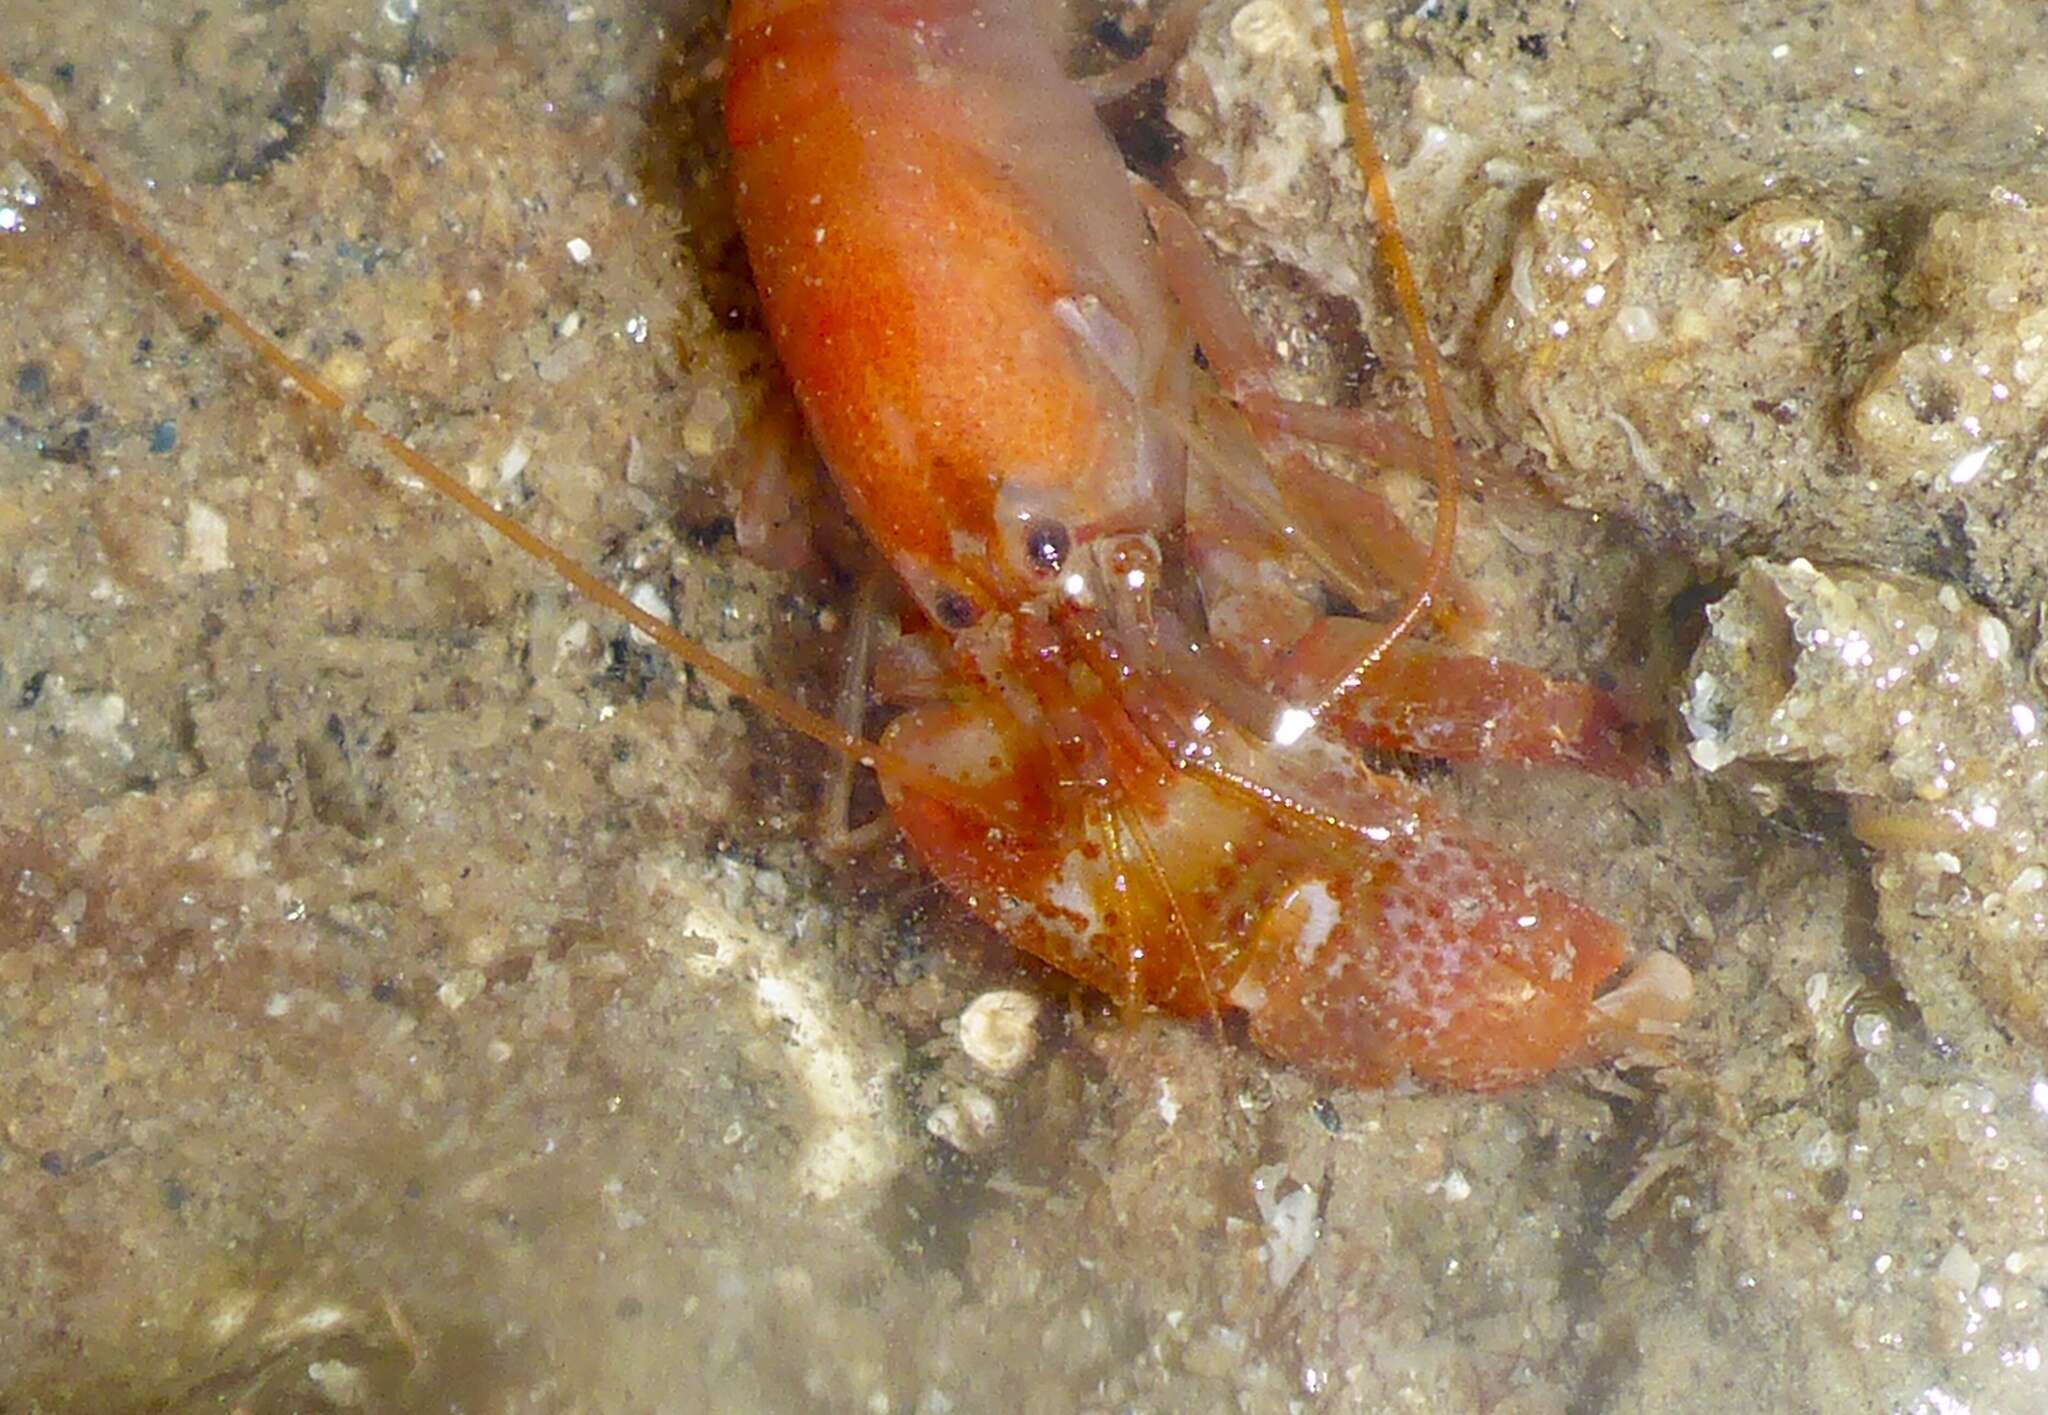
(295, 374)
(1394, 255)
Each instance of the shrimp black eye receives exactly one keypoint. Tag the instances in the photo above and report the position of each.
(1047, 544)
(954, 610)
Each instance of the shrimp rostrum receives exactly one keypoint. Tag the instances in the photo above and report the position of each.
(1138, 738)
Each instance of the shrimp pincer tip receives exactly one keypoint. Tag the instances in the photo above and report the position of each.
(1651, 1002)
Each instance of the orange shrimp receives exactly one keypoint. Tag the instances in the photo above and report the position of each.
(992, 337)
(995, 355)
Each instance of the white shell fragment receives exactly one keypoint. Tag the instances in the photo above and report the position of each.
(836, 1060)
(1291, 1225)
(206, 540)
(969, 1122)
(999, 1030)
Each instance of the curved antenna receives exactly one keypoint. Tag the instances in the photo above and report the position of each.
(294, 374)
(1394, 255)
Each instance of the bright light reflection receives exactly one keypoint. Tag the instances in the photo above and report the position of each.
(1292, 725)
(1964, 469)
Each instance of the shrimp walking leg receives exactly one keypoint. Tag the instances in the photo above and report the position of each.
(1409, 698)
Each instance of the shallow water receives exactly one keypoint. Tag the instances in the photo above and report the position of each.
(416, 995)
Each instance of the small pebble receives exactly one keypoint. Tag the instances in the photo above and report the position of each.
(968, 1122)
(999, 1030)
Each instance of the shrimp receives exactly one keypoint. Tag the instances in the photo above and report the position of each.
(1006, 390)
(991, 333)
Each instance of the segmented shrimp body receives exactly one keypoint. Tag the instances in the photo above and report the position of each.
(996, 360)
